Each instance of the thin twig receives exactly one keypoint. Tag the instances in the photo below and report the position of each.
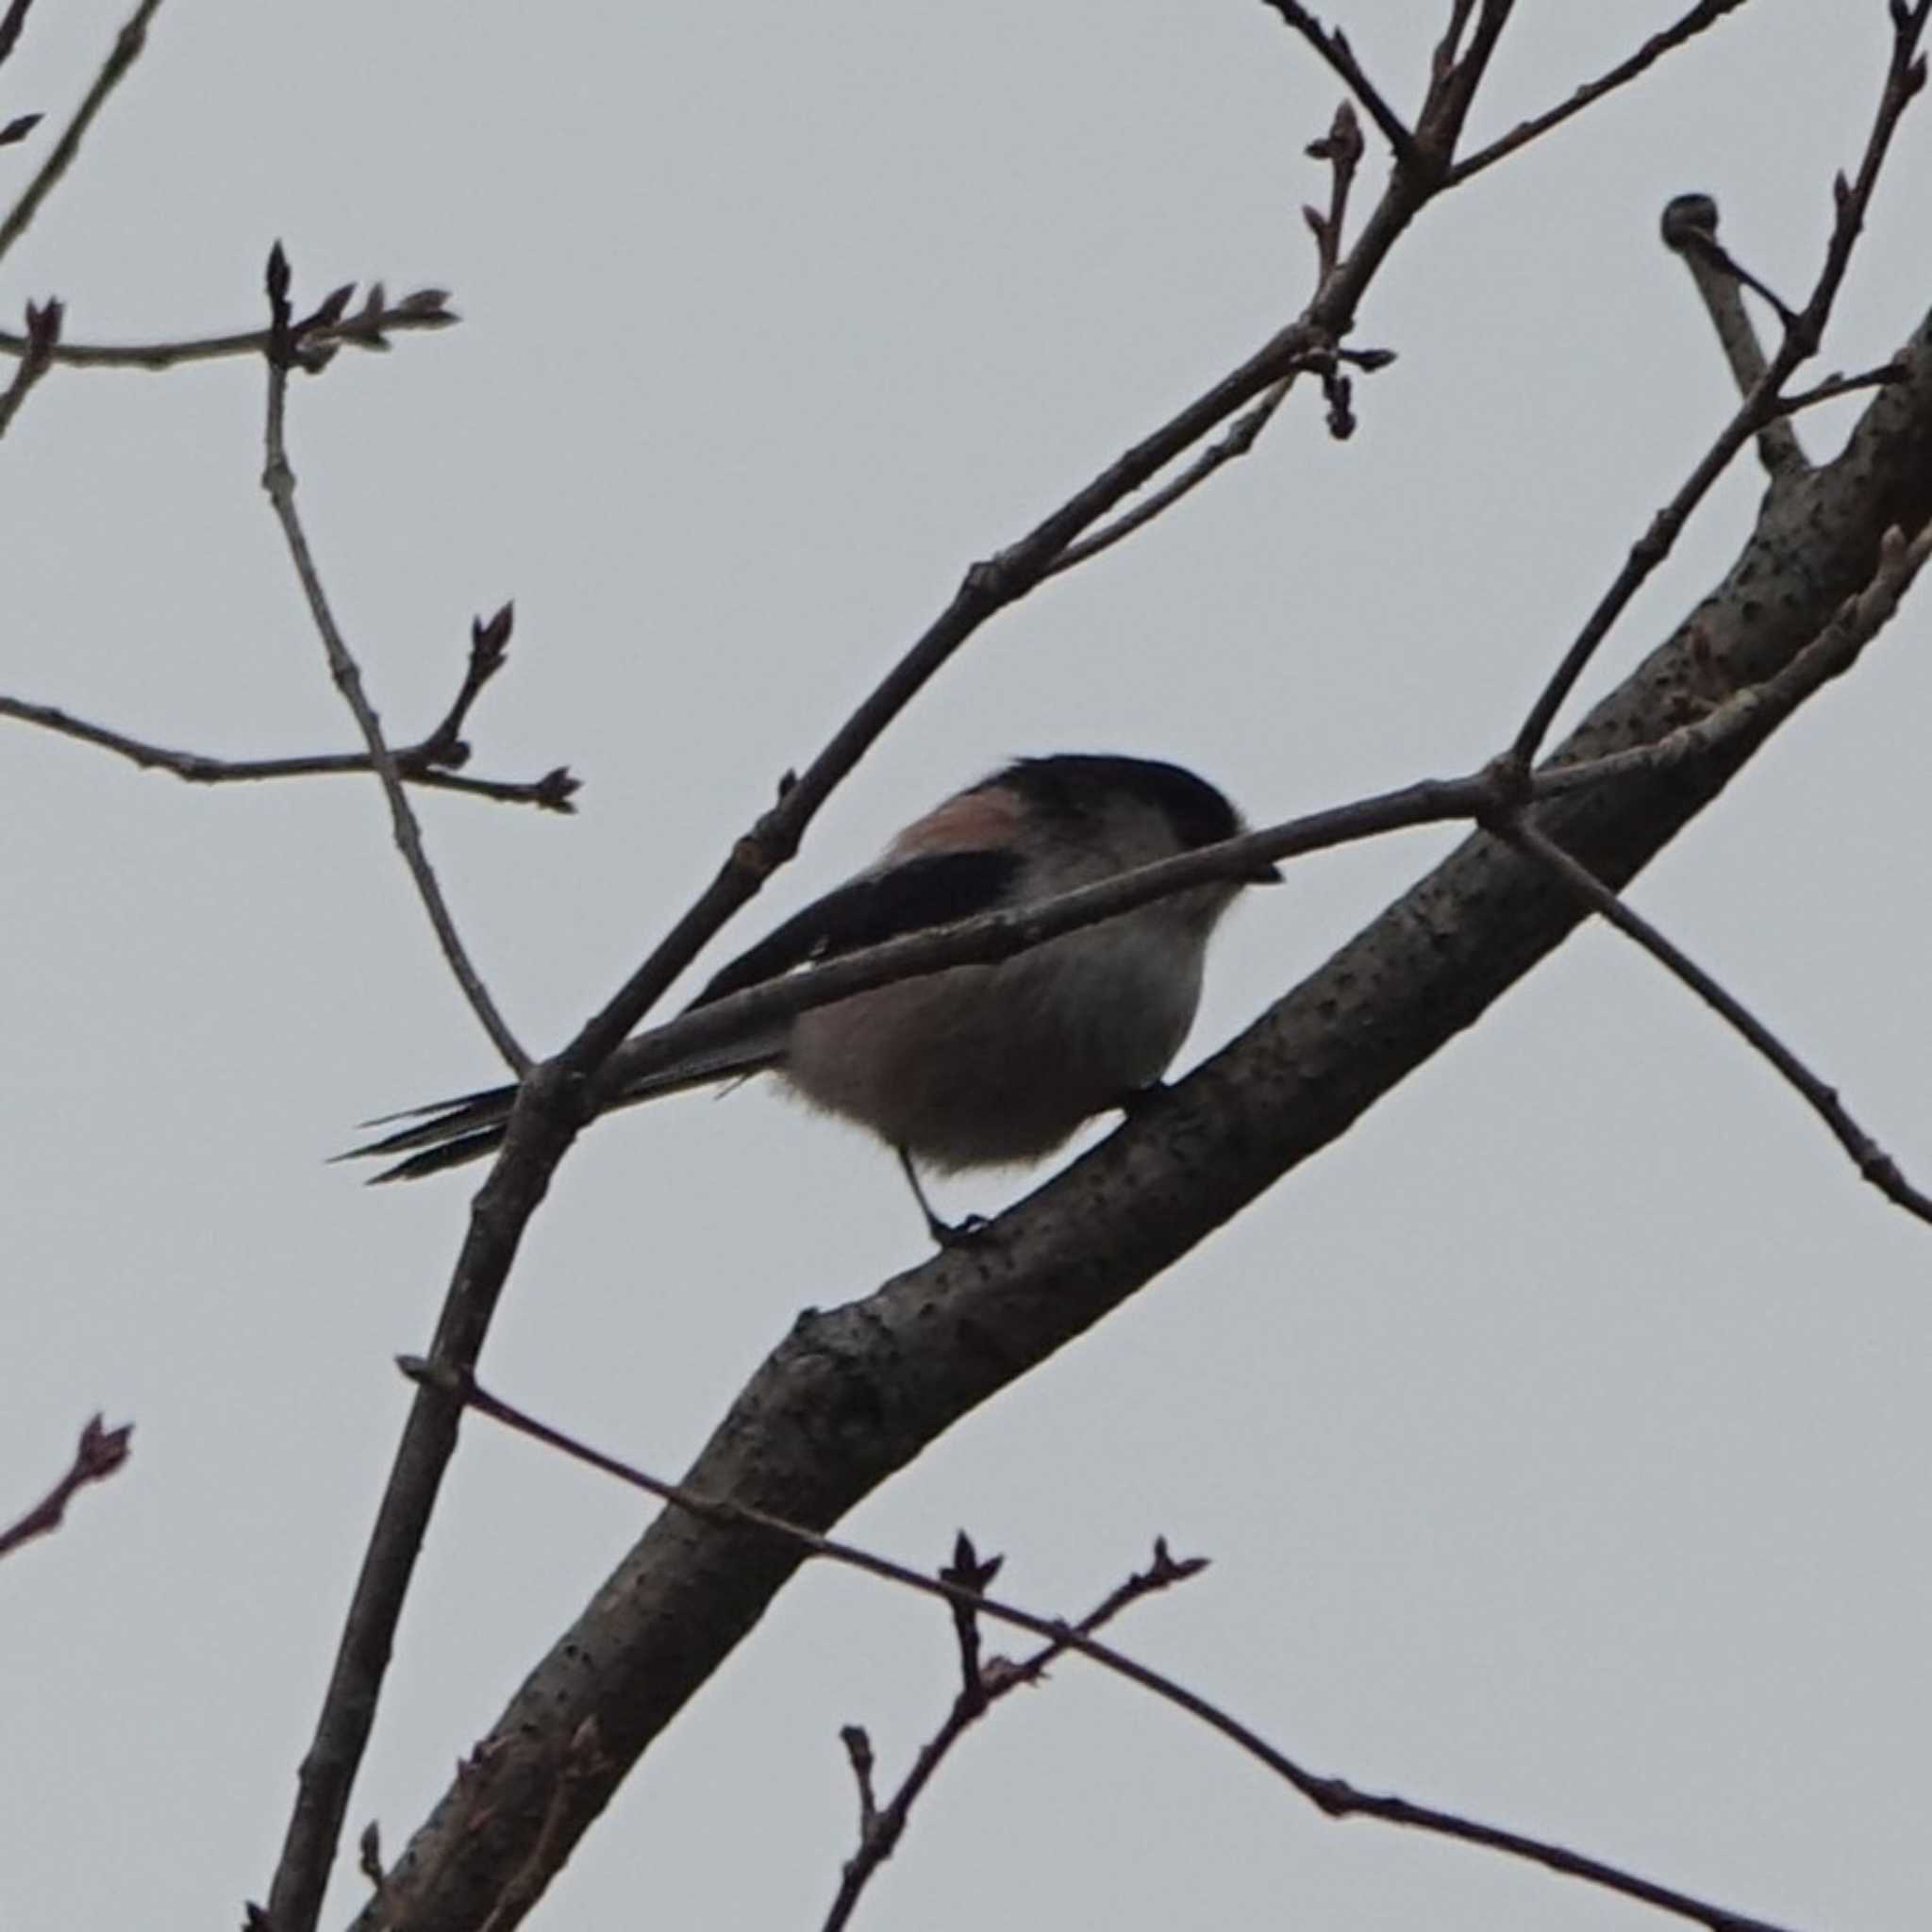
(858, 1753)
(1240, 439)
(1332, 45)
(1905, 77)
(43, 335)
(1832, 387)
(1341, 148)
(278, 480)
(880, 1828)
(425, 309)
(10, 27)
(1452, 90)
(98, 1454)
(1334, 1797)
(1646, 554)
(431, 762)
(122, 56)
(552, 793)
(1749, 716)
(1450, 45)
(1873, 1162)
(1706, 13)
(581, 1760)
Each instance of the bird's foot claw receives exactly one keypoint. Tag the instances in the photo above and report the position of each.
(958, 1234)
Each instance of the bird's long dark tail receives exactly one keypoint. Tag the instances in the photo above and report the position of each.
(449, 1133)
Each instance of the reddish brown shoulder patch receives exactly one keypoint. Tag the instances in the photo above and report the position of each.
(977, 821)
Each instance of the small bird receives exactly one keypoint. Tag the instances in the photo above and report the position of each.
(972, 1066)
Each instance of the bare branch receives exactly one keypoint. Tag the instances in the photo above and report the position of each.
(553, 792)
(1873, 1162)
(1750, 715)
(278, 480)
(1341, 148)
(430, 763)
(1706, 13)
(1240, 437)
(858, 1752)
(98, 1454)
(880, 1829)
(1905, 77)
(1450, 46)
(579, 1764)
(426, 308)
(1832, 387)
(369, 1854)
(123, 54)
(1690, 231)
(1646, 554)
(1334, 1797)
(1453, 85)
(10, 27)
(43, 335)
(1332, 45)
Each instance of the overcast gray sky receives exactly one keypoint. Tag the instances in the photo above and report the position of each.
(1559, 1437)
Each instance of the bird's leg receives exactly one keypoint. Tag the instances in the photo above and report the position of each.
(948, 1234)
(1137, 1101)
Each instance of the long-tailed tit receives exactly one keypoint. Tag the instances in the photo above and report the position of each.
(972, 1066)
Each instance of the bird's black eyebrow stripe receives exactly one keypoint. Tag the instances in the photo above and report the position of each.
(908, 896)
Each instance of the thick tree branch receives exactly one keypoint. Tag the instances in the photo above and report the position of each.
(854, 1393)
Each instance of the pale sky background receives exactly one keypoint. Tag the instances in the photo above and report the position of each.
(1559, 1438)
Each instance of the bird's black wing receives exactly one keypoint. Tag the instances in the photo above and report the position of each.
(907, 896)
